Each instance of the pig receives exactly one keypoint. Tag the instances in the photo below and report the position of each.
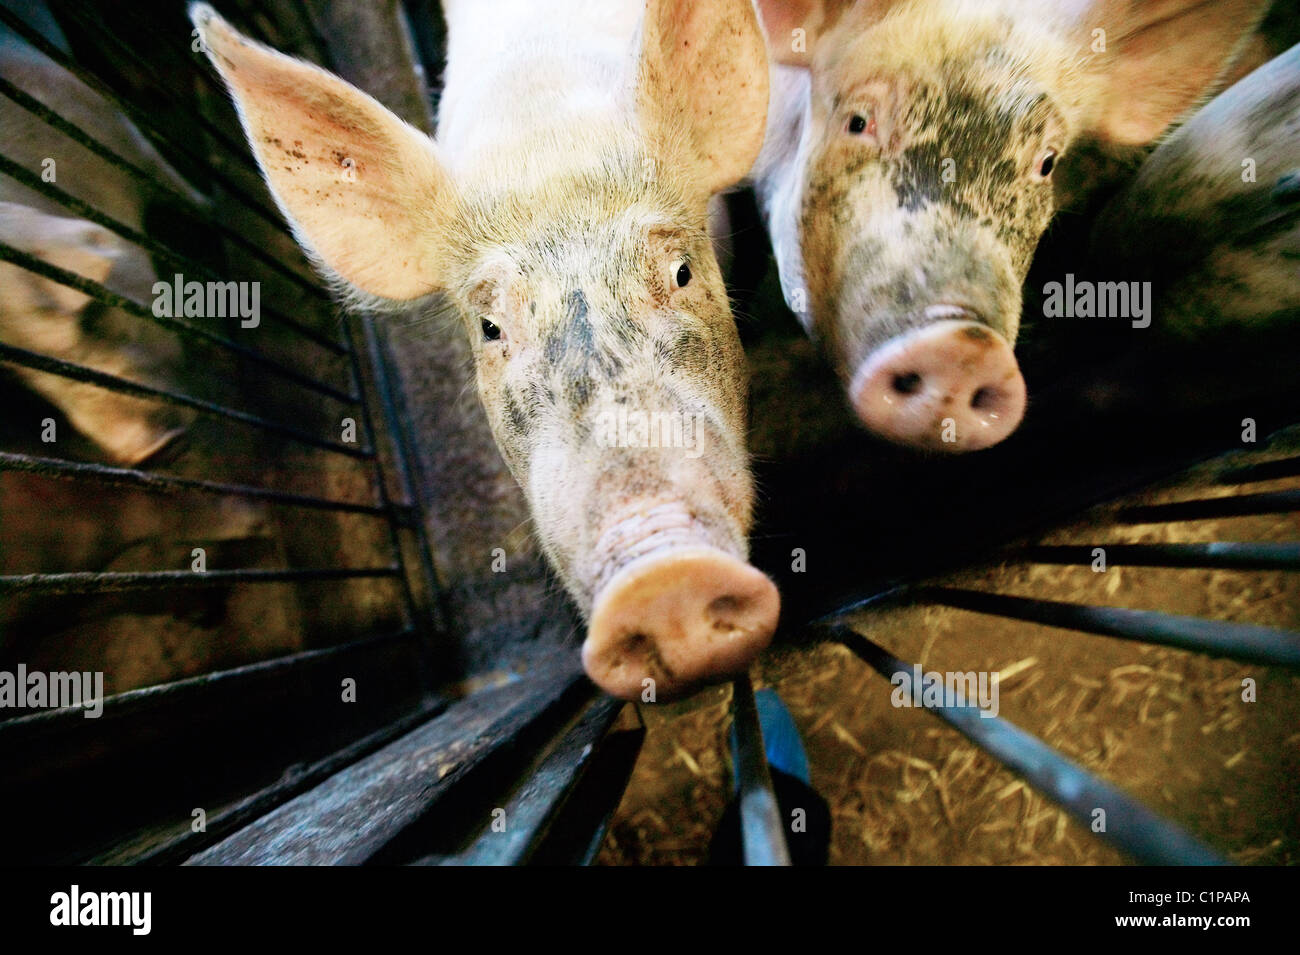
(907, 176)
(560, 214)
(40, 314)
(1213, 215)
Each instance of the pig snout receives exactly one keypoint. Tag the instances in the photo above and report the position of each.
(678, 611)
(952, 385)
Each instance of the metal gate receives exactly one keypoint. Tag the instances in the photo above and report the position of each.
(254, 752)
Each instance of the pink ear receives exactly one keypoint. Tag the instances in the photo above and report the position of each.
(791, 28)
(704, 67)
(794, 27)
(1158, 58)
(365, 193)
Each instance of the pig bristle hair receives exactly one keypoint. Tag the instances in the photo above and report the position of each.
(950, 29)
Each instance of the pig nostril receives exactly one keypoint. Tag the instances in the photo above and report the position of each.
(906, 384)
(983, 399)
(722, 612)
(724, 605)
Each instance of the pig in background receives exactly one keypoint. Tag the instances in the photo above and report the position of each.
(42, 315)
(907, 176)
(1213, 215)
(50, 525)
(565, 219)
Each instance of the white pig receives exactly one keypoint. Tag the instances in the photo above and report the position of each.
(562, 213)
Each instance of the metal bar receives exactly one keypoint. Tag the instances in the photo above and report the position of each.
(1227, 555)
(226, 735)
(168, 484)
(1263, 471)
(381, 488)
(296, 779)
(762, 832)
(179, 48)
(150, 182)
(142, 176)
(66, 369)
(1238, 641)
(86, 211)
(575, 837)
(181, 327)
(546, 786)
(112, 582)
(356, 813)
(1129, 825)
(403, 455)
(163, 85)
(128, 701)
(132, 112)
(1271, 502)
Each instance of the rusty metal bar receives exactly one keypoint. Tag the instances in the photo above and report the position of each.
(413, 615)
(404, 454)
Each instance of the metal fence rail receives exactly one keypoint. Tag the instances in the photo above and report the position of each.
(326, 367)
(1131, 826)
(413, 774)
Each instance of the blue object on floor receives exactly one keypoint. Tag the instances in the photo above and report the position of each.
(781, 741)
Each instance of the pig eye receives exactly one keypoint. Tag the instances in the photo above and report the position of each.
(682, 274)
(860, 124)
(1046, 163)
(491, 332)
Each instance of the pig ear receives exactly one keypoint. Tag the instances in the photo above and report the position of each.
(791, 28)
(365, 193)
(1158, 58)
(704, 66)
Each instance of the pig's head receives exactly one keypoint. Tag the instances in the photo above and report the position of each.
(908, 176)
(606, 355)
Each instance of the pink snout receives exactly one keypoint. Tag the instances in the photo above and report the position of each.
(951, 386)
(680, 618)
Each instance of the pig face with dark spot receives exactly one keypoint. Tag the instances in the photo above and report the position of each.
(562, 212)
(613, 315)
(907, 179)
